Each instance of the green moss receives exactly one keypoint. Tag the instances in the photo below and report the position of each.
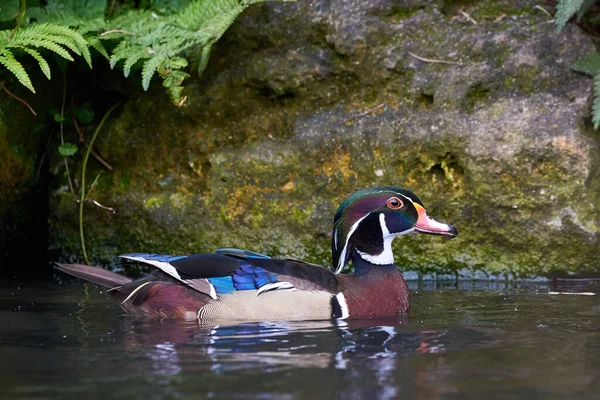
(262, 164)
(154, 201)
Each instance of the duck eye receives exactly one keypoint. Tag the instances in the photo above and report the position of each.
(394, 203)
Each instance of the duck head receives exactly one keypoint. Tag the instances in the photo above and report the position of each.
(369, 220)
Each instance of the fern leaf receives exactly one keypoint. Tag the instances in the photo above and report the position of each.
(584, 8)
(51, 37)
(596, 104)
(120, 52)
(41, 61)
(47, 44)
(197, 12)
(149, 69)
(250, 2)
(172, 81)
(8, 60)
(203, 59)
(64, 40)
(565, 9)
(590, 64)
(71, 39)
(132, 59)
(175, 92)
(95, 43)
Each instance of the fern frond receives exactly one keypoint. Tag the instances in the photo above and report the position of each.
(596, 104)
(250, 2)
(95, 43)
(218, 24)
(41, 61)
(71, 39)
(47, 44)
(8, 60)
(156, 39)
(68, 13)
(172, 82)
(132, 19)
(149, 69)
(590, 64)
(51, 37)
(119, 53)
(198, 12)
(584, 8)
(133, 58)
(203, 59)
(565, 9)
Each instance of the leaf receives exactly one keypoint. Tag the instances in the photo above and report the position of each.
(55, 48)
(203, 60)
(84, 113)
(584, 7)
(41, 61)
(596, 104)
(97, 44)
(177, 63)
(67, 149)
(132, 59)
(158, 34)
(149, 69)
(57, 117)
(8, 60)
(590, 64)
(565, 9)
(9, 10)
(53, 110)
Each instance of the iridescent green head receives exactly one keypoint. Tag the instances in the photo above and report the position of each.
(368, 221)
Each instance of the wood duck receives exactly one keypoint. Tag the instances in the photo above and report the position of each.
(234, 284)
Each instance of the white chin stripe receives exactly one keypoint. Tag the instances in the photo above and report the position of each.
(341, 302)
(386, 257)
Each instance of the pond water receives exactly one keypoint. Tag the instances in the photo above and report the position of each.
(473, 340)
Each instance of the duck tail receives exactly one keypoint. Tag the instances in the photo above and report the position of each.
(97, 275)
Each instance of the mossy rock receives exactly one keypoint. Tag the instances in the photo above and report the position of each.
(497, 142)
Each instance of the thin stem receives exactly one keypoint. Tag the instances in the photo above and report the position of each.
(112, 7)
(83, 170)
(8, 92)
(431, 60)
(82, 140)
(62, 138)
(22, 15)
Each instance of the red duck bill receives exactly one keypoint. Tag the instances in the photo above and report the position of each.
(426, 224)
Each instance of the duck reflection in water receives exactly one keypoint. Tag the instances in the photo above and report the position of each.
(368, 354)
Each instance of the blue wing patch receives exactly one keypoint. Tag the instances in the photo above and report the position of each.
(222, 284)
(154, 257)
(247, 277)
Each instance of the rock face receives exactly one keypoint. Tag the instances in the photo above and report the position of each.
(304, 103)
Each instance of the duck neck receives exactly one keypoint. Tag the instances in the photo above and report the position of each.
(365, 267)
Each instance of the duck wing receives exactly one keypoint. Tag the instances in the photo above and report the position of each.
(232, 270)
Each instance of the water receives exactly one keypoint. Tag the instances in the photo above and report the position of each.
(476, 341)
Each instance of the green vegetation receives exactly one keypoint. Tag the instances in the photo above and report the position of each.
(160, 36)
(591, 63)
